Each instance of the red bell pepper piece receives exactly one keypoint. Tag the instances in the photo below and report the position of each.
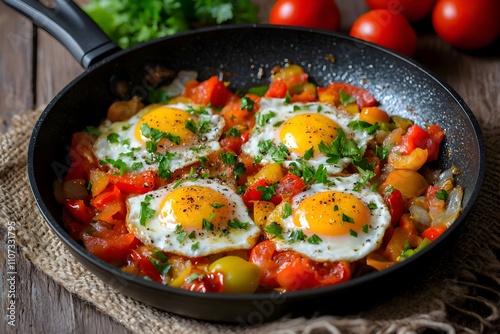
(395, 202)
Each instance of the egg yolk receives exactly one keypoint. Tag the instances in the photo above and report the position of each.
(168, 120)
(190, 206)
(331, 213)
(304, 131)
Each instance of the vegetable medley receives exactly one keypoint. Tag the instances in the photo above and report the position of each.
(289, 186)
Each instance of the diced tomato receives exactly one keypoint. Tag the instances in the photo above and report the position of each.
(414, 137)
(277, 89)
(297, 274)
(211, 91)
(292, 271)
(135, 183)
(262, 255)
(432, 233)
(436, 135)
(429, 139)
(110, 194)
(235, 115)
(254, 194)
(232, 144)
(289, 186)
(363, 97)
(396, 204)
(79, 210)
(114, 249)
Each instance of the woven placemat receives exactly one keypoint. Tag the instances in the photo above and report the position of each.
(460, 294)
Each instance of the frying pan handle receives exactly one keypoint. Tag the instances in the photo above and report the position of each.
(69, 25)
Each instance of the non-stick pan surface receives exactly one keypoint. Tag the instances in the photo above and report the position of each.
(244, 56)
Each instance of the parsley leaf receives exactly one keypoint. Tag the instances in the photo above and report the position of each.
(247, 103)
(146, 211)
(314, 239)
(267, 191)
(287, 210)
(93, 131)
(309, 153)
(296, 235)
(263, 119)
(274, 229)
(442, 195)
(237, 224)
(207, 225)
(345, 98)
(233, 132)
(259, 90)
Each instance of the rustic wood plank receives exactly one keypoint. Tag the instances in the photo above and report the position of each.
(15, 65)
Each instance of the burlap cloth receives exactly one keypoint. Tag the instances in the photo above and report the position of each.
(460, 294)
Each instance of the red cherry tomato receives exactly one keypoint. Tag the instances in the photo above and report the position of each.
(382, 27)
(467, 24)
(413, 10)
(319, 14)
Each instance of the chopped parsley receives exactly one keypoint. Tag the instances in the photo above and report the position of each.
(296, 235)
(263, 119)
(93, 131)
(314, 239)
(164, 165)
(274, 229)
(442, 195)
(345, 98)
(383, 152)
(113, 138)
(195, 246)
(237, 224)
(372, 206)
(200, 128)
(247, 103)
(233, 132)
(200, 111)
(347, 219)
(267, 191)
(287, 210)
(155, 135)
(217, 205)
(118, 163)
(207, 225)
(365, 228)
(146, 211)
(259, 90)
(309, 153)
(361, 125)
(353, 233)
(193, 277)
(277, 153)
(159, 261)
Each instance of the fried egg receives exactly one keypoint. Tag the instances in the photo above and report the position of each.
(195, 218)
(331, 223)
(166, 137)
(286, 132)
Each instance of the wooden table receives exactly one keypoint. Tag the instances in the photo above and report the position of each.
(34, 67)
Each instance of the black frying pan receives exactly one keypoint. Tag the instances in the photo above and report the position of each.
(239, 53)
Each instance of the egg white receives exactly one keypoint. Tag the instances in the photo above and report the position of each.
(284, 112)
(335, 248)
(133, 153)
(162, 231)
